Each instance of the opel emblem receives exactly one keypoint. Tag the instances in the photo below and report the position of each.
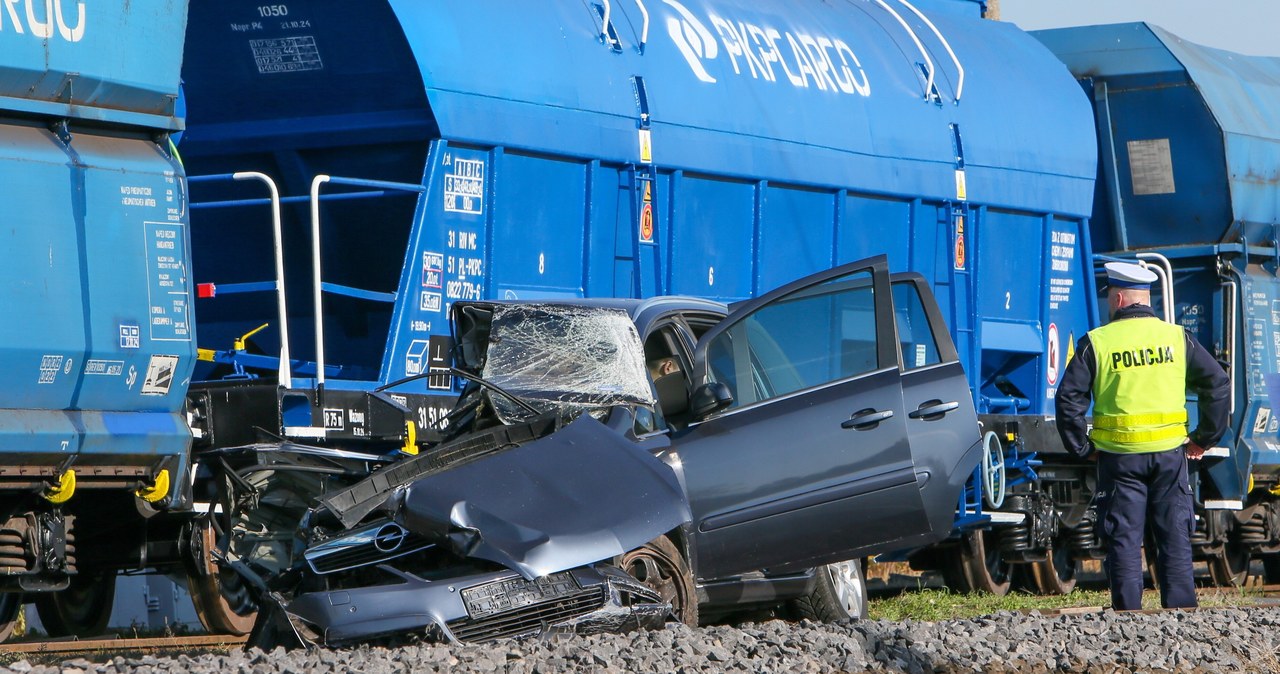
(389, 537)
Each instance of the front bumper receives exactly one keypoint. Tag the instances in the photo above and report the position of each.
(478, 608)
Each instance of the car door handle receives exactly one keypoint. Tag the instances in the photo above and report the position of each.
(934, 408)
(866, 419)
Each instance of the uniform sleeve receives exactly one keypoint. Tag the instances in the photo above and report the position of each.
(1207, 379)
(1075, 391)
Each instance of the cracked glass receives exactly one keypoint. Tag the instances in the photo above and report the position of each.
(568, 358)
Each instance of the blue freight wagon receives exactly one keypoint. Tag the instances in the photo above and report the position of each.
(97, 343)
(1190, 153)
(347, 189)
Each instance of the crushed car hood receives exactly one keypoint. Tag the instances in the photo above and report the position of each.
(577, 496)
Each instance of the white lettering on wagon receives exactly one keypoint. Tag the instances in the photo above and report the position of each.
(52, 19)
(803, 60)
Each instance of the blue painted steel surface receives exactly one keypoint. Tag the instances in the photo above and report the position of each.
(83, 60)
(97, 344)
(1224, 143)
(785, 137)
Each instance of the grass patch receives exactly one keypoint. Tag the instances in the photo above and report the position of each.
(942, 604)
(945, 605)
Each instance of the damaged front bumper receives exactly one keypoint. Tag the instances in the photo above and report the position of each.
(475, 609)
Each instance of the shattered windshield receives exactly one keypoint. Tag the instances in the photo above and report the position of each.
(564, 357)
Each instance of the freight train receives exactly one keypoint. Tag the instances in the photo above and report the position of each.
(344, 191)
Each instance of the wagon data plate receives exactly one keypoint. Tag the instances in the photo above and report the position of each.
(501, 596)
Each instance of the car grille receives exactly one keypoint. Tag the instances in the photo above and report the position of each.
(364, 550)
(529, 619)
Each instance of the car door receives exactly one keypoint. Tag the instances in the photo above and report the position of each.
(942, 424)
(810, 463)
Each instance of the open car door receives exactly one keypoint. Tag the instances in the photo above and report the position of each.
(810, 462)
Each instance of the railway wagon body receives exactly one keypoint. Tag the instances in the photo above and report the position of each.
(502, 149)
(97, 342)
(1190, 154)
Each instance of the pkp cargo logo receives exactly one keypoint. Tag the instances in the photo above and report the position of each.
(802, 59)
(693, 40)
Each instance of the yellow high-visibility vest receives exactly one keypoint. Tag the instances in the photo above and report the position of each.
(1139, 391)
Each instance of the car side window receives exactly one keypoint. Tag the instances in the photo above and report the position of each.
(816, 335)
(915, 335)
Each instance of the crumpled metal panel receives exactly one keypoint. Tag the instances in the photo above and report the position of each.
(576, 497)
(563, 357)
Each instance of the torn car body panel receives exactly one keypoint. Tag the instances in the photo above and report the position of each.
(575, 497)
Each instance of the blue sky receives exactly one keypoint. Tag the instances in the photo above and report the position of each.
(1246, 26)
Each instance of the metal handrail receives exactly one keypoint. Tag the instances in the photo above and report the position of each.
(604, 25)
(644, 32)
(1166, 272)
(1229, 320)
(945, 44)
(319, 286)
(285, 374)
(928, 62)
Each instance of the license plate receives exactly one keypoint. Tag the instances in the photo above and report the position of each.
(507, 595)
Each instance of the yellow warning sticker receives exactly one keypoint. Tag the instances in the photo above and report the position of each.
(646, 146)
(962, 192)
(648, 192)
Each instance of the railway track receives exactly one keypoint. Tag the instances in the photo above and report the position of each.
(112, 646)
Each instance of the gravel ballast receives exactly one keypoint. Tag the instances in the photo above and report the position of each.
(1218, 640)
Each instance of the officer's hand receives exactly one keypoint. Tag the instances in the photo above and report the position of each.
(1194, 451)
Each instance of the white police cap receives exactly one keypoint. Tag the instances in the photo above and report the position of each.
(1128, 275)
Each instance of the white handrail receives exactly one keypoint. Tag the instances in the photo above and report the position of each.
(945, 43)
(1166, 285)
(644, 32)
(604, 26)
(928, 62)
(285, 373)
(315, 270)
(1230, 338)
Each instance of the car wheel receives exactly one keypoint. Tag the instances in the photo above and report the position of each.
(839, 593)
(659, 565)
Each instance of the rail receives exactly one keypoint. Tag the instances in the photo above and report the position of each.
(928, 62)
(946, 45)
(284, 373)
(1165, 272)
(104, 645)
(319, 286)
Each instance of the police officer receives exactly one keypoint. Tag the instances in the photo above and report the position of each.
(1137, 369)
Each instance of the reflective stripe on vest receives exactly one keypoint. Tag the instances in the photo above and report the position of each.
(1139, 391)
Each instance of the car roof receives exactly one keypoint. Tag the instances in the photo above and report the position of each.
(639, 309)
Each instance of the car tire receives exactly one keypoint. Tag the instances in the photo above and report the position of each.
(839, 593)
(659, 565)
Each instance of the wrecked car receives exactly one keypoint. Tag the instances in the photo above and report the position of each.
(612, 464)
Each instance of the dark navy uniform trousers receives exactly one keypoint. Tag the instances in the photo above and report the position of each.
(1135, 490)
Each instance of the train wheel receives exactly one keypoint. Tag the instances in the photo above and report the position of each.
(81, 610)
(1229, 568)
(221, 598)
(10, 607)
(978, 566)
(1055, 575)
